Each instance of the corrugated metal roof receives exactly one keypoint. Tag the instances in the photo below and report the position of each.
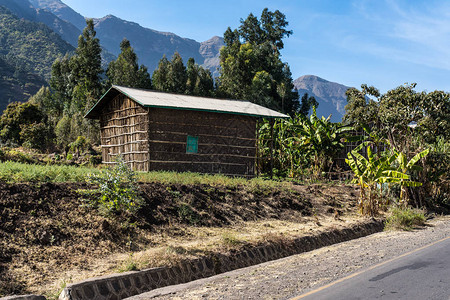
(149, 98)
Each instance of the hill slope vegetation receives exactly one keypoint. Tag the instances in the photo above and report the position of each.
(28, 50)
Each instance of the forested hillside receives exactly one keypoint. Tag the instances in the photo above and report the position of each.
(27, 51)
(32, 45)
(24, 9)
(16, 84)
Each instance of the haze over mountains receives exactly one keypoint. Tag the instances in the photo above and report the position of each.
(150, 45)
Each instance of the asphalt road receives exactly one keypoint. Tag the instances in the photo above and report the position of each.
(291, 276)
(420, 274)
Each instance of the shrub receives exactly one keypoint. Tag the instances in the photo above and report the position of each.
(36, 136)
(404, 218)
(16, 115)
(79, 145)
(18, 156)
(118, 189)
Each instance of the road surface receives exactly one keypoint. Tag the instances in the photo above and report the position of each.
(423, 273)
(291, 276)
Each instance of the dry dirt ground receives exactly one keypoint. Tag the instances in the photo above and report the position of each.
(49, 237)
(294, 275)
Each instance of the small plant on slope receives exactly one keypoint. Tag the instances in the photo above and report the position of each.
(118, 189)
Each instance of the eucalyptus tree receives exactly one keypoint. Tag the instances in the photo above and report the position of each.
(307, 103)
(160, 75)
(177, 76)
(86, 69)
(77, 84)
(199, 80)
(251, 66)
(170, 76)
(125, 70)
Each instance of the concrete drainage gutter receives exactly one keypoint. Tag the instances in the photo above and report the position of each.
(128, 284)
(124, 285)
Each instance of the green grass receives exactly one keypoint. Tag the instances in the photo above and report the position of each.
(404, 218)
(230, 240)
(22, 172)
(188, 178)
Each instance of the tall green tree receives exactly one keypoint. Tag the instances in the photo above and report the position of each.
(125, 71)
(86, 69)
(177, 76)
(62, 85)
(170, 76)
(199, 80)
(391, 115)
(251, 66)
(174, 77)
(160, 76)
(362, 107)
(77, 84)
(307, 103)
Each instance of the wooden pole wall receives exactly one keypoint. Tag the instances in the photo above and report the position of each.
(124, 131)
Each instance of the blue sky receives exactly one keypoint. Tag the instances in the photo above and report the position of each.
(384, 43)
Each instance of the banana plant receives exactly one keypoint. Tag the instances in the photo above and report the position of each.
(405, 166)
(321, 138)
(370, 138)
(303, 141)
(370, 173)
(377, 169)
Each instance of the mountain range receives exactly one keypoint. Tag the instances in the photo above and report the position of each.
(330, 95)
(150, 46)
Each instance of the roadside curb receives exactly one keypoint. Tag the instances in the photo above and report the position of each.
(120, 286)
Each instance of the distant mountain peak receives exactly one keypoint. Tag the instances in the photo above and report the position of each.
(210, 48)
(330, 95)
(313, 79)
(61, 10)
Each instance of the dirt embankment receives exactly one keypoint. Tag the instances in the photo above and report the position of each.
(47, 229)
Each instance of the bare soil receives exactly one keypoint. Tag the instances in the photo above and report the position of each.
(49, 237)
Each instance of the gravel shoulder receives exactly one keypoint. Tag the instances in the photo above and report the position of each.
(291, 276)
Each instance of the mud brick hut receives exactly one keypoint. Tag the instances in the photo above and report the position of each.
(161, 131)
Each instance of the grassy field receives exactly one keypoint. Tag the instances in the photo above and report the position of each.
(19, 172)
(14, 172)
